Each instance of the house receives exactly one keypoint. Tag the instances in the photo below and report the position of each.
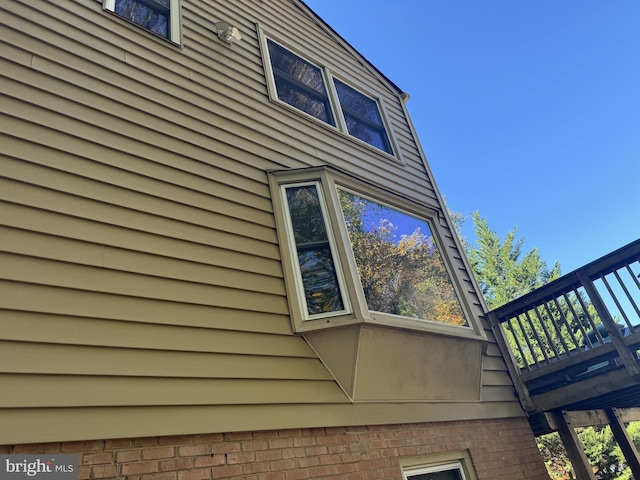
(184, 185)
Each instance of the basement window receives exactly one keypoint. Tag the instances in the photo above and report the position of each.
(354, 254)
(159, 17)
(452, 471)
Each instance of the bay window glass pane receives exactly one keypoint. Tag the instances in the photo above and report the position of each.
(362, 116)
(315, 259)
(150, 14)
(299, 83)
(399, 265)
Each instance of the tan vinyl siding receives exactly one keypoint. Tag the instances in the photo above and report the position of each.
(140, 274)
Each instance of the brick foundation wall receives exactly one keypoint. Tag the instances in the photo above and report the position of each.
(499, 449)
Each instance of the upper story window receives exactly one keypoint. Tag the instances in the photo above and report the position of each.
(354, 254)
(299, 83)
(304, 86)
(362, 117)
(157, 16)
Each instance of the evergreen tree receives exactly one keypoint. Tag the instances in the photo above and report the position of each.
(501, 269)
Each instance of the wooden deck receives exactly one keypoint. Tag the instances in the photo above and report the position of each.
(575, 342)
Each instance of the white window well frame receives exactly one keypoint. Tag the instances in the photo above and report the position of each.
(339, 124)
(439, 462)
(173, 25)
(327, 181)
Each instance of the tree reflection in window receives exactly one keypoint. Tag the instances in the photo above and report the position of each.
(400, 268)
(362, 116)
(317, 267)
(299, 83)
(152, 15)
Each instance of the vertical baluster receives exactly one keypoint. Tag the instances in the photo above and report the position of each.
(555, 326)
(594, 327)
(577, 317)
(615, 300)
(525, 362)
(627, 293)
(526, 338)
(544, 350)
(566, 323)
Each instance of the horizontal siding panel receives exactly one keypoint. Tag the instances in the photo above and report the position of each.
(59, 202)
(24, 138)
(60, 274)
(498, 394)
(96, 255)
(495, 378)
(68, 330)
(65, 301)
(71, 391)
(64, 226)
(493, 363)
(246, 222)
(18, 357)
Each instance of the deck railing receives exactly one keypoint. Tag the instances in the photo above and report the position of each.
(583, 324)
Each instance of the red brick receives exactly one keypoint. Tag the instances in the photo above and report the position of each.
(268, 455)
(97, 458)
(145, 442)
(294, 432)
(308, 462)
(194, 450)
(293, 453)
(195, 474)
(234, 458)
(226, 471)
(280, 443)
(253, 445)
(104, 471)
(158, 452)
(313, 451)
(271, 476)
(125, 456)
(322, 471)
(128, 469)
(175, 464)
(256, 467)
(118, 444)
(84, 473)
(225, 447)
(279, 465)
(88, 446)
(209, 460)
(160, 476)
(208, 438)
(296, 474)
(35, 448)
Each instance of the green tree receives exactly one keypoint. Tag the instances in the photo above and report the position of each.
(500, 267)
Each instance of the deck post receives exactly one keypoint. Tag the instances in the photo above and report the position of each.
(624, 441)
(573, 446)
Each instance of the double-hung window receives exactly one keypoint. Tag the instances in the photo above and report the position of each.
(354, 254)
(304, 86)
(300, 83)
(157, 16)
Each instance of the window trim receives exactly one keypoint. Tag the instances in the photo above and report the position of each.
(328, 78)
(174, 20)
(328, 180)
(438, 462)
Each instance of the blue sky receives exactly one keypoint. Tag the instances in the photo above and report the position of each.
(528, 111)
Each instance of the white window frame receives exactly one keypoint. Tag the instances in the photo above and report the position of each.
(438, 462)
(336, 109)
(174, 20)
(355, 305)
(410, 474)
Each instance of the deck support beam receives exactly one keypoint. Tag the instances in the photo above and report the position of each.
(624, 440)
(573, 446)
